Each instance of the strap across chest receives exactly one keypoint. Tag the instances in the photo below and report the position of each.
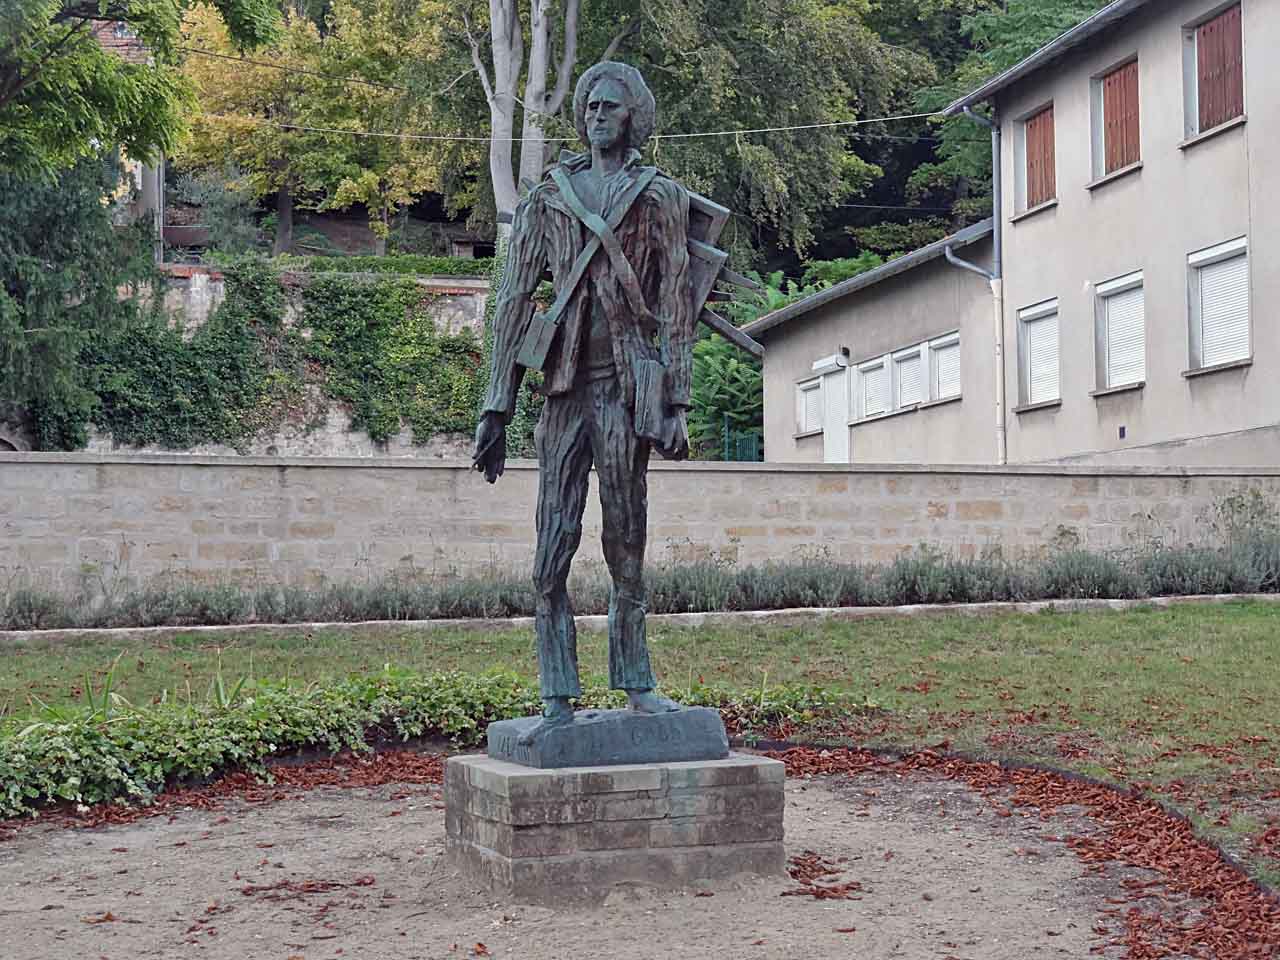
(603, 231)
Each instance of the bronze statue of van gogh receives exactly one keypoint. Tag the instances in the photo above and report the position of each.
(630, 258)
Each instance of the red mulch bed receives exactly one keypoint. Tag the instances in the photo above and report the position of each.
(1240, 921)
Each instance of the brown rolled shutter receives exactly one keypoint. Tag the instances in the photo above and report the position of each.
(1121, 133)
(1041, 175)
(1220, 68)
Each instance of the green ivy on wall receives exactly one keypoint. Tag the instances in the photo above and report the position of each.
(386, 357)
(371, 342)
(220, 386)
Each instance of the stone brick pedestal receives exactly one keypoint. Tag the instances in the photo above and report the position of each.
(560, 835)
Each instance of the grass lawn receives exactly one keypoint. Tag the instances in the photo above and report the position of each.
(1185, 699)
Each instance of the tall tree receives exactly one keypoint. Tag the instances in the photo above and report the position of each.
(507, 80)
(62, 94)
(714, 65)
(321, 119)
(63, 266)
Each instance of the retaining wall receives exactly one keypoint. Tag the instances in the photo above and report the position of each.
(300, 520)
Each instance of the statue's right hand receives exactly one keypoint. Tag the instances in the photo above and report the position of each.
(490, 456)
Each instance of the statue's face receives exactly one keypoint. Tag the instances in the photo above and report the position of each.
(608, 116)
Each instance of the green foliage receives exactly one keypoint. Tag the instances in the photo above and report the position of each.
(63, 266)
(110, 749)
(156, 387)
(62, 95)
(825, 273)
(226, 208)
(893, 239)
(386, 357)
(728, 388)
(407, 264)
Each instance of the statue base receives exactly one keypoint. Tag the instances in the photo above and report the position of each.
(571, 835)
(604, 737)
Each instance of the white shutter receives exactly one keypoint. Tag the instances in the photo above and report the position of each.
(1224, 311)
(1042, 358)
(1126, 337)
(811, 409)
(946, 371)
(875, 390)
(909, 380)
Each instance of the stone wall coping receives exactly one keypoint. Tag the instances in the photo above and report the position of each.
(599, 622)
(691, 466)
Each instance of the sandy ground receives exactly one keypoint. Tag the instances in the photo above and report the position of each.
(360, 873)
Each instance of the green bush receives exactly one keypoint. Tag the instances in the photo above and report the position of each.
(111, 749)
(408, 264)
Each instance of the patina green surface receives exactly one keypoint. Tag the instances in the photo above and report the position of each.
(616, 349)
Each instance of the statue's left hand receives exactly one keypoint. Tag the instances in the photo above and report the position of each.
(490, 456)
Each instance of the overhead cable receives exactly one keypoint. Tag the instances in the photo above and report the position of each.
(549, 139)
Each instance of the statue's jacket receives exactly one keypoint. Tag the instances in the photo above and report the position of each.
(547, 236)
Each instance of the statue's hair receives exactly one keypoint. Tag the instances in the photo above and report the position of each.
(642, 106)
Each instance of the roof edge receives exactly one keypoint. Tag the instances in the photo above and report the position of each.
(1050, 52)
(918, 257)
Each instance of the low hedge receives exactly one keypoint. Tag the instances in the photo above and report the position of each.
(112, 750)
(1249, 565)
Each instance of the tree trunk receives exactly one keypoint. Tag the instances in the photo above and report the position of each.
(533, 138)
(506, 36)
(284, 220)
(380, 239)
(538, 103)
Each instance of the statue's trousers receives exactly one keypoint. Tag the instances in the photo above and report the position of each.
(591, 425)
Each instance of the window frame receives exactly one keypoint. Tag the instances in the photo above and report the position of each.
(864, 367)
(1191, 73)
(934, 346)
(922, 384)
(925, 353)
(1197, 261)
(1025, 316)
(1102, 335)
(1098, 116)
(1022, 173)
(808, 385)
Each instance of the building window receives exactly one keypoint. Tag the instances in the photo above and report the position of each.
(944, 367)
(1219, 292)
(809, 407)
(1116, 127)
(1038, 344)
(908, 384)
(1122, 336)
(1037, 177)
(873, 388)
(1213, 71)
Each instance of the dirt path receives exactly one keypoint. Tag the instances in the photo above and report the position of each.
(359, 873)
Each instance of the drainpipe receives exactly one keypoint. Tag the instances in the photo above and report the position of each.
(995, 277)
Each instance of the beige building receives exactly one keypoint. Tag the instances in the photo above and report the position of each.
(1139, 208)
(891, 366)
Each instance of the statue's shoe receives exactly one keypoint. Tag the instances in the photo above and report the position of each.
(646, 701)
(557, 715)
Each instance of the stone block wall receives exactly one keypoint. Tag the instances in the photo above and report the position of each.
(301, 520)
